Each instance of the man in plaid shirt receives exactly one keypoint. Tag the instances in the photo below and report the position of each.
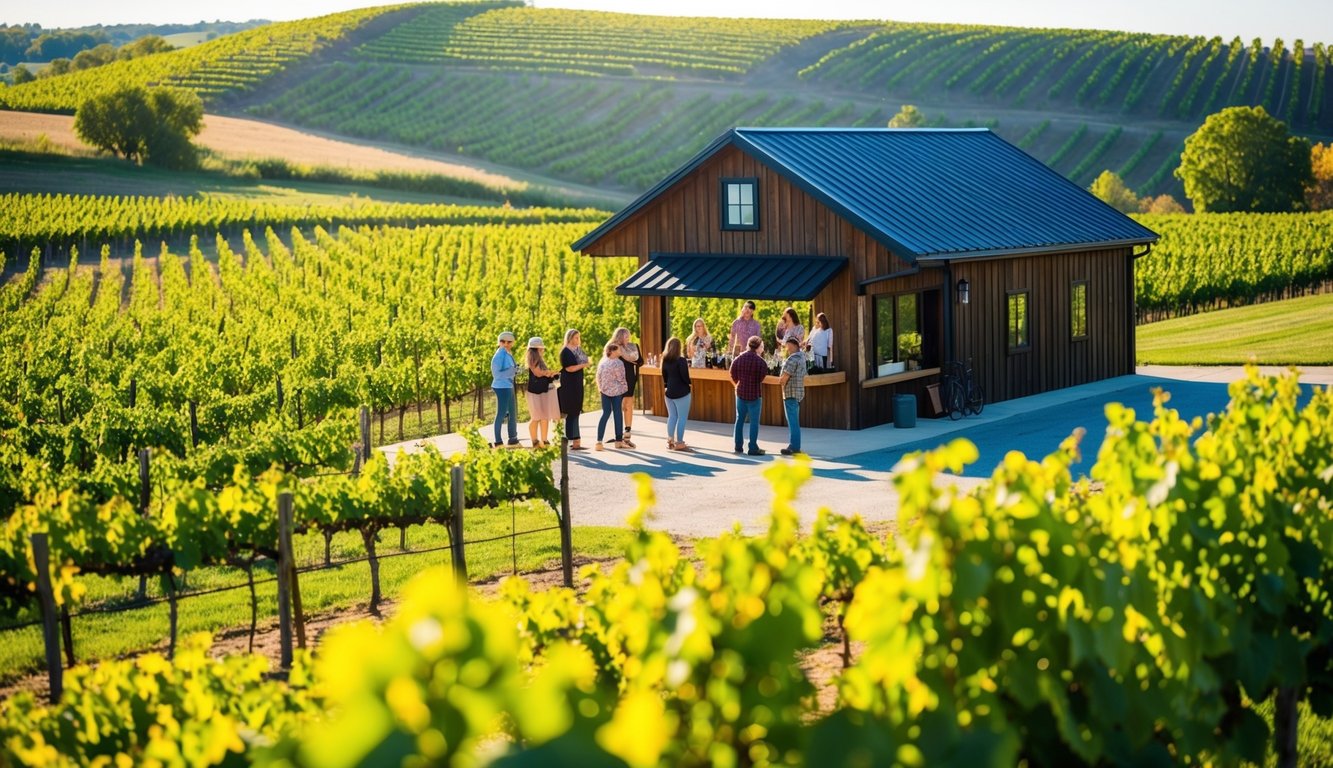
(747, 373)
(793, 392)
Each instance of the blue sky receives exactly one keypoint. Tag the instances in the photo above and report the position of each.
(1288, 19)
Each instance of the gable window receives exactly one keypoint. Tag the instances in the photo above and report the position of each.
(1078, 310)
(740, 203)
(1019, 325)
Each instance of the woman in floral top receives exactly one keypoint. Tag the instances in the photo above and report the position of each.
(698, 344)
(629, 357)
(612, 385)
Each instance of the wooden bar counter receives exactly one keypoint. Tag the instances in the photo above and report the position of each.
(826, 404)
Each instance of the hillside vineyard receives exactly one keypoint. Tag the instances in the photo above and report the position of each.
(618, 99)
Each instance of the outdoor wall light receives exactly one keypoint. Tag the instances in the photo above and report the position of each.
(964, 291)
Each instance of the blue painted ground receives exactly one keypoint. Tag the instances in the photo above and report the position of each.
(1038, 433)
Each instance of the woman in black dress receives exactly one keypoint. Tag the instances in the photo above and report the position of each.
(572, 363)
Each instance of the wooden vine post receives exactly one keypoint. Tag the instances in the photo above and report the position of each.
(173, 615)
(1286, 716)
(456, 522)
(41, 556)
(566, 528)
(145, 494)
(285, 580)
(365, 435)
(368, 535)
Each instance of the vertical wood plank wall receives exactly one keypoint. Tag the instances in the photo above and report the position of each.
(1054, 360)
(686, 219)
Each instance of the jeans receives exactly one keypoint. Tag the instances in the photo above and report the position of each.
(678, 410)
(505, 404)
(792, 407)
(750, 409)
(611, 407)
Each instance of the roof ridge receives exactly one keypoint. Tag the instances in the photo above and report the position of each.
(850, 129)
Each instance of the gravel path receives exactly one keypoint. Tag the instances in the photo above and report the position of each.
(708, 492)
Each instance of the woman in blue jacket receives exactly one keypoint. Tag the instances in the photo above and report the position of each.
(503, 371)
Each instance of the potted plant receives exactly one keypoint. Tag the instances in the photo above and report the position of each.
(909, 346)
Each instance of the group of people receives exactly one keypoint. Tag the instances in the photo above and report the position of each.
(553, 392)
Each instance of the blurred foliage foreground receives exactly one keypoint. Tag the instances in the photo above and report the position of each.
(1135, 617)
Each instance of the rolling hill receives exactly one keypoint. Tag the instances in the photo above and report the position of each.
(617, 100)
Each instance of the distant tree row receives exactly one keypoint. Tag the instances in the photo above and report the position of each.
(1241, 160)
(1113, 191)
(32, 43)
(94, 57)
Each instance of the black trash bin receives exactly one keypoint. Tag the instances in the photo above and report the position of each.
(904, 411)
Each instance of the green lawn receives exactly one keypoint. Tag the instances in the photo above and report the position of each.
(105, 636)
(1291, 332)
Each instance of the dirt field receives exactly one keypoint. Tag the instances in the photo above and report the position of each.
(238, 137)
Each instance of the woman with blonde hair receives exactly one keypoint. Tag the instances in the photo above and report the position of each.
(629, 357)
(543, 407)
(572, 362)
(611, 384)
(676, 379)
(698, 344)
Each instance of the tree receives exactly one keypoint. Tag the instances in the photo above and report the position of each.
(57, 67)
(21, 75)
(94, 57)
(144, 46)
(907, 117)
(1162, 204)
(1111, 189)
(1241, 159)
(138, 124)
(1319, 195)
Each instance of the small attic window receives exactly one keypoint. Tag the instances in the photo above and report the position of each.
(740, 203)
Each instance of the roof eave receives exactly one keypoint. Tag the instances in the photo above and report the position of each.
(1036, 250)
(642, 201)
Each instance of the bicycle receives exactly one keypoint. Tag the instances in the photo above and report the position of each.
(963, 394)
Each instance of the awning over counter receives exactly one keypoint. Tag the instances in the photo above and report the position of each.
(728, 276)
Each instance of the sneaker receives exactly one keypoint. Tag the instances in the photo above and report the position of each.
(739, 450)
(787, 452)
(757, 452)
(514, 443)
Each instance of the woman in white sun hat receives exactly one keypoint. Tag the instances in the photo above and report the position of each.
(543, 405)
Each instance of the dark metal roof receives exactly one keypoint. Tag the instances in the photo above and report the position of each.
(712, 276)
(927, 194)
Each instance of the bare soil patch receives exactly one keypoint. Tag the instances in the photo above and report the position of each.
(239, 137)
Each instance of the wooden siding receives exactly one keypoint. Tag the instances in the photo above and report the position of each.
(686, 218)
(1054, 360)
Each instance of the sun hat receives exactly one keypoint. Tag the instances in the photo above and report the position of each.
(536, 343)
(506, 336)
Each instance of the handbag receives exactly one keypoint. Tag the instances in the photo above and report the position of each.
(538, 385)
